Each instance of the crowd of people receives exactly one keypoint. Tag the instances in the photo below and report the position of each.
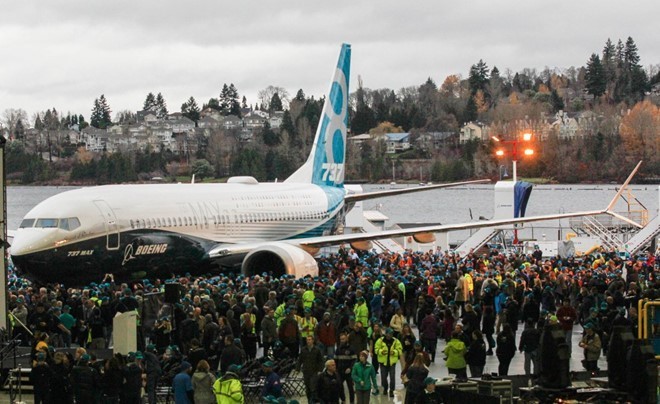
(367, 324)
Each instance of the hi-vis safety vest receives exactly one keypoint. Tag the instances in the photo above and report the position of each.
(228, 391)
(253, 320)
(307, 326)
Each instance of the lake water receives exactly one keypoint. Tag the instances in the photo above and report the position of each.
(450, 205)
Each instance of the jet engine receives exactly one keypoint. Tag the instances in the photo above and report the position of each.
(280, 259)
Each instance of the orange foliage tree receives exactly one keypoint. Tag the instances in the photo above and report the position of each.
(640, 133)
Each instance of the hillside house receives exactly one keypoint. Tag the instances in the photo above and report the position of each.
(564, 125)
(208, 122)
(434, 140)
(231, 122)
(275, 120)
(357, 140)
(397, 142)
(181, 125)
(146, 116)
(254, 120)
(473, 131)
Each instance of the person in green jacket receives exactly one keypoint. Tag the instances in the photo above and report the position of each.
(364, 378)
(455, 353)
(280, 311)
(389, 350)
(361, 311)
(308, 297)
(228, 389)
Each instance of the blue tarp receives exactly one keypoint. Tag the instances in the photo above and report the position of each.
(521, 193)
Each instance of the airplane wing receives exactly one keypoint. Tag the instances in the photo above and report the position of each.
(323, 241)
(348, 238)
(351, 198)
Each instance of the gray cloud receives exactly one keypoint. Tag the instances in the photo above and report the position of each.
(64, 54)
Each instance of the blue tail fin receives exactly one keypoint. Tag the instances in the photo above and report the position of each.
(325, 164)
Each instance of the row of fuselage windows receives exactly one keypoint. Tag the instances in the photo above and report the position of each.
(221, 220)
(271, 197)
(67, 223)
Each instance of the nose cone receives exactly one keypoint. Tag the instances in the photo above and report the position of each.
(27, 241)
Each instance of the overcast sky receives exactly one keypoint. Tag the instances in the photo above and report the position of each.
(64, 54)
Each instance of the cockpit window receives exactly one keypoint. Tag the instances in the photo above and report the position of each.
(27, 223)
(74, 223)
(46, 223)
(70, 223)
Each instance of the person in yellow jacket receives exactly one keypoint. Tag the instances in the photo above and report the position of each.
(280, 311)
(307, 324)
(361, 311)
(308, 297)
(470, 283)
(389, 350)
(228, 389)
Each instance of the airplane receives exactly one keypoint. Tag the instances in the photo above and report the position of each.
(159, 230)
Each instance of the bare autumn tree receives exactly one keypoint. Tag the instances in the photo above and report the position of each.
(11, 117)
(266, 95)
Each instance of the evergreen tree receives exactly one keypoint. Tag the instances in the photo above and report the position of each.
(149, 103)
(521, 82)
(300, 95)
(595, 76)
(478, 78)
(95, 118)
(495, 87)
(619, 54)
(249, 162)
(202, 169)
(19, 129)
(161, 107)
(244, 104)
(224, 99)
(637, 79)
(100, 117)
(364, 117)
(630, 55)
(270, 138)
(556, 101)
(38, 125)
(106, 111)
(81, 122)
(470, 113)
(609, 61)
(275, 103)
(288, 128)
(427, 102)
(234, 104)
(213, 104)
(190, 109)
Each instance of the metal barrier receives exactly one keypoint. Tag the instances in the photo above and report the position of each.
(648, 322)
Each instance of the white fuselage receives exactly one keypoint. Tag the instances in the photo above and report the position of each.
(222, 213)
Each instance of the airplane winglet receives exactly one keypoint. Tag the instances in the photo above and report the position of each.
(623, 188)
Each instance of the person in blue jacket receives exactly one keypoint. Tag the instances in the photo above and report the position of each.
(182, 385)
(272, 384)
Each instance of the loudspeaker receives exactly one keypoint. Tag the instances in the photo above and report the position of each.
(172, 293)
(554, 358)
(642, 372)
(617, 363)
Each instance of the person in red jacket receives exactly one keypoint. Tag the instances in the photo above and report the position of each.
(326, 333)
(428, 331)
(567, 316)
